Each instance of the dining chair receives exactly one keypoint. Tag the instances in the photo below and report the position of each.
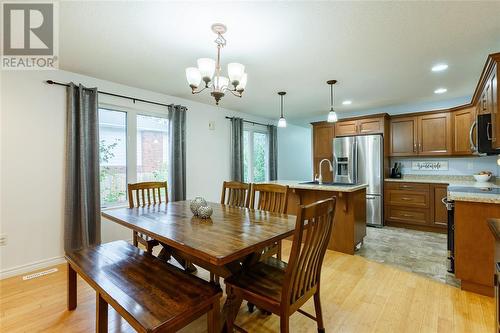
(282, 288)
(146, 194)
(237, 194)
(272, 198)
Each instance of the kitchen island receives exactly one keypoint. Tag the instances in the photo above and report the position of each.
(350, 212)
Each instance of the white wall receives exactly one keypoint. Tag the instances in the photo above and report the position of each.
(32, 140)
(294, 155)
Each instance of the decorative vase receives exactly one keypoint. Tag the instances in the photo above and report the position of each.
(205, 211)
(197, 203)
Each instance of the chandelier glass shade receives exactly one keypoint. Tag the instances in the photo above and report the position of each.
(208, 73)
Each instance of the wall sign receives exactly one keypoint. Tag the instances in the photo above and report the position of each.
(429, 165)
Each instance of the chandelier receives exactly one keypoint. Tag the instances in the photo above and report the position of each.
(207, 68)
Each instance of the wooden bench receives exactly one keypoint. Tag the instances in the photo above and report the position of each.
(151, 295)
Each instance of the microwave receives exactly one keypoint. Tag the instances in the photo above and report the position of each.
(480, 136)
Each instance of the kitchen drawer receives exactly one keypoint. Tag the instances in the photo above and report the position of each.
(407, 215)
(407, 186)
(417, 199)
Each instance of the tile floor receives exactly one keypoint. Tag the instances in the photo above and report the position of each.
(415, 251)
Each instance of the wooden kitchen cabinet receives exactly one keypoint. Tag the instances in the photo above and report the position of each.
(439, 215)
(434, 134)
(323, 134)
(461, 121)
(323, 140)
(365, 125)
(403, 136)
(344, 128)
(427, 135)
(415, 206)
(495, 116)
(486, 96)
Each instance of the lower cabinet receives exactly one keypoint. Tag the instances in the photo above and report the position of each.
(415, 205)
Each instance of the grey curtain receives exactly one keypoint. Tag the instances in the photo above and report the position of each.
(273, 152)
(237, 149)
(82, 212)
(177, 156)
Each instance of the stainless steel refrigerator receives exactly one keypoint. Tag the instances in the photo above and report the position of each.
(360, 159)
(371, 171)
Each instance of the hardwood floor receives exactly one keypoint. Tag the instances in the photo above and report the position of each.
(357, 296)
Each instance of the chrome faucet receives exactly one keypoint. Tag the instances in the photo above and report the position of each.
(320, 178)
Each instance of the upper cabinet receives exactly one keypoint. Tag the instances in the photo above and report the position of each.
(403, 136)
(369, 125)
(346, 127)
(486, 96)
(434, 134)
(495, 116)
(462, 121)
(428, 134)
(323, 135)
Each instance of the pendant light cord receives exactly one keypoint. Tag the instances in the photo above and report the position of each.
(281, 106)
(332, 95)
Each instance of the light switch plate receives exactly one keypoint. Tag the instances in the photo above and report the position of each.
(211, 125)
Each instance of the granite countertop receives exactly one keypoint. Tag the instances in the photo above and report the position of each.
(452, 181)
(332, 188)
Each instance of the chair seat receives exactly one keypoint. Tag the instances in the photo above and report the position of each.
(265, 278)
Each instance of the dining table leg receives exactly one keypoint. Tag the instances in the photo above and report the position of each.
(232, 304)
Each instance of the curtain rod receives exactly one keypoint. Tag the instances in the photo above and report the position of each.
(111, 94)
(249, 121)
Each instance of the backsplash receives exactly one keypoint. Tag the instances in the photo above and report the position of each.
(456, 165)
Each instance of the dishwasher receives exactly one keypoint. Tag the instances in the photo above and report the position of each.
(450, 207)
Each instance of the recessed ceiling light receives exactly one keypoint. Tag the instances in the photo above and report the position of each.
(439, 67)
(347, 102)
(440, 91)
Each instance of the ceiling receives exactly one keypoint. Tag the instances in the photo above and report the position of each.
(380, 52)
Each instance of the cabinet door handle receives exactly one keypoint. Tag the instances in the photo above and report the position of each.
(415, 147)
(406, 186)
(407, 215)
(406, 199)
(420, 147)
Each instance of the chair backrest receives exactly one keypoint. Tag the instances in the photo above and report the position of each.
(237, 194)
(146, 193)
(312, 233)
(272, 197)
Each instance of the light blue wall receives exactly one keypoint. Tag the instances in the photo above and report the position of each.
(294, 153)
(463, 166)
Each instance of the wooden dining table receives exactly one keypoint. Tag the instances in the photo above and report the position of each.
(225, 244)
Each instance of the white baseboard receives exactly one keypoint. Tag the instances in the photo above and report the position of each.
(37, 265)
(41, 264)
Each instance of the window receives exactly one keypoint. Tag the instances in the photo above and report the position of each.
(113, 156)
(152, 148)
(255, 154)
(133, 148)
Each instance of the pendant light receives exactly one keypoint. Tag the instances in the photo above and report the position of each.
(282, 121)
(332, 115)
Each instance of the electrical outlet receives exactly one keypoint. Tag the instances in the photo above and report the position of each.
(211, 125)
(3, 239)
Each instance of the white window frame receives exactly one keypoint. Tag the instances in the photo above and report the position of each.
(131, 144)
(251, 129)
